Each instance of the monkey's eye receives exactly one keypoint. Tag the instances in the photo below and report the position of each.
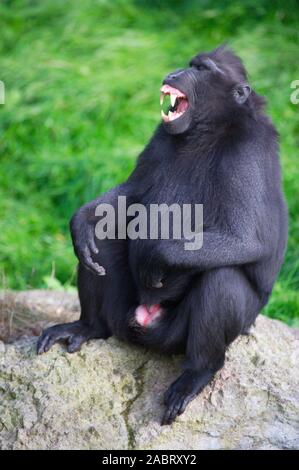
(201, 67)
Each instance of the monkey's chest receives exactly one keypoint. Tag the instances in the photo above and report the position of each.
(169, 190)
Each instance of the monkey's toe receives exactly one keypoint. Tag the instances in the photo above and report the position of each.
(182, 391)
(75, 342)
(176, 405)
(75, 334)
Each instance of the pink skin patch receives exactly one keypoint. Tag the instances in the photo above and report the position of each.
(169, 90)
(146, 315)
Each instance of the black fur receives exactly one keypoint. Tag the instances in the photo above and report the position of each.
(222, 153)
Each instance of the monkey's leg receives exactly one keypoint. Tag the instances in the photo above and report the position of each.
(90, 325)
(222, 304)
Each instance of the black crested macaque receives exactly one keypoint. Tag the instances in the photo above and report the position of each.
(215, 147)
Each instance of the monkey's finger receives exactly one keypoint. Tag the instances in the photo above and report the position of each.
(183, 404)
(75, 342)
(42, 340)
(45, 343)
(91, 242)
(51, 336)
(169, 416)
(90, 264)
(170, 393)
(95, 268)
(51, 341)
(167, 396)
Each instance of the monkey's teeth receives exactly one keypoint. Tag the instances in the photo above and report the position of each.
(172, 115)
(172, 99)
(161, 98)
(164, 117)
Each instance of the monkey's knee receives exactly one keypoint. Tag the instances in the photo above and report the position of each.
(225, 289)
(226, 293)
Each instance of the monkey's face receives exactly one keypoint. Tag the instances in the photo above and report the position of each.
(212, 89)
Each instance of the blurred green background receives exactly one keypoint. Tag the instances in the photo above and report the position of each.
(82, 99)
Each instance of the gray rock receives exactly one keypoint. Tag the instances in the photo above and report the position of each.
(26, 313)
(109, 396)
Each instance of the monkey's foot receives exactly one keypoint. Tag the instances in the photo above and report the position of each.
(182, 391)
(74, 334)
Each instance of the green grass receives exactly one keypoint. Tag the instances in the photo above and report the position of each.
(82, 81)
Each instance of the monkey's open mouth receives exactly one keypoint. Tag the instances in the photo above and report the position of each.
(178, 103)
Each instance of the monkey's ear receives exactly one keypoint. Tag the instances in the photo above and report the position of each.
(241, 92)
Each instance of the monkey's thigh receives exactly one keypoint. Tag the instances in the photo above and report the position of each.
(218, 305)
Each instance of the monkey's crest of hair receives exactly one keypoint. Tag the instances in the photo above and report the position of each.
(232, 65)
(235, 73)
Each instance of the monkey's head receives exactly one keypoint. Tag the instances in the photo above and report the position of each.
(211, 91)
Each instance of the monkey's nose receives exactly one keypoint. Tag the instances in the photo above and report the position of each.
(175, 74)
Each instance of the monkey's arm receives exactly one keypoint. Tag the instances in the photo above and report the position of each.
(83, 222)
(219, 249)
(243, 233)
(82, 227)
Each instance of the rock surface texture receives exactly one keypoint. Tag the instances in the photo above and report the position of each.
(109, 395)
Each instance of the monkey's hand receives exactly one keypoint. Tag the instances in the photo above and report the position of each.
(83, 235)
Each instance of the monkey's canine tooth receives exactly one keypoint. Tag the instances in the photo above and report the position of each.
(161, 98)
(164, 117)
(172, 99)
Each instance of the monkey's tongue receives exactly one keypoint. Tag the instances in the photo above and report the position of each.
(182, 106)
(145, 315)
